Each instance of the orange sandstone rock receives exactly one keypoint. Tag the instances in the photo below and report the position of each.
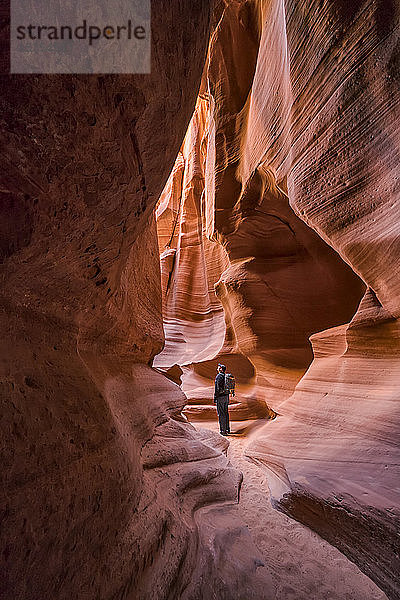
(301, 191)
(105, 493)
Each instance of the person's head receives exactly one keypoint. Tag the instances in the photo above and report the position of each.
(221, 368)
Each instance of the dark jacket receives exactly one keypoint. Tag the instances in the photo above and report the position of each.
(219, 387)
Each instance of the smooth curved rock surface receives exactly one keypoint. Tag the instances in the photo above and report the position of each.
(243, 410)
(266, 290)
(219, 230)
(105, 492)
(193, 318)
(289, 167)
(301, 174)
(333, 454)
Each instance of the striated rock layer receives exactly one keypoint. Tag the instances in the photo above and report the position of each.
(338, 466)
(301, 190)
(229, 235)
(193, 317)
(280, 212)
(283, 282)
(105, 492)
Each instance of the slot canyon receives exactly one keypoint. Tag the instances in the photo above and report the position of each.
(239, 204)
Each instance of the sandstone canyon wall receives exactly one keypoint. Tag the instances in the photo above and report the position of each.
(301, 180)
(278, 217)
(339, 472)
(193, 317)
(105, 492)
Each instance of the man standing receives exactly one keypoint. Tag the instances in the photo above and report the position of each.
(221, 398)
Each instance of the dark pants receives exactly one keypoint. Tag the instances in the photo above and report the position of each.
(223, 414)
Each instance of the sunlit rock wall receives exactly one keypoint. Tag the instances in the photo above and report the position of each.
(301, 190)
(197, 329)
(283, 282)
(337, 466)
(193, 317)
(227, 228)
(105, 492)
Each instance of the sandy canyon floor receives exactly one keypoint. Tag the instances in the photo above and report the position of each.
(303, 565)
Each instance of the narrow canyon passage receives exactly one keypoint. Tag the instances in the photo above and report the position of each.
(303, 565)
(279, 242)
(239, 203)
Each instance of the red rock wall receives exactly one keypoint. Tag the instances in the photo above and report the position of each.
(99, 497)
(298, 157)
(335, 449)
(193, 317)
(301, 174)
(226, 228)
(275, 290)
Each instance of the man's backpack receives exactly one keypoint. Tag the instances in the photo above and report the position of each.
(229, 386)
